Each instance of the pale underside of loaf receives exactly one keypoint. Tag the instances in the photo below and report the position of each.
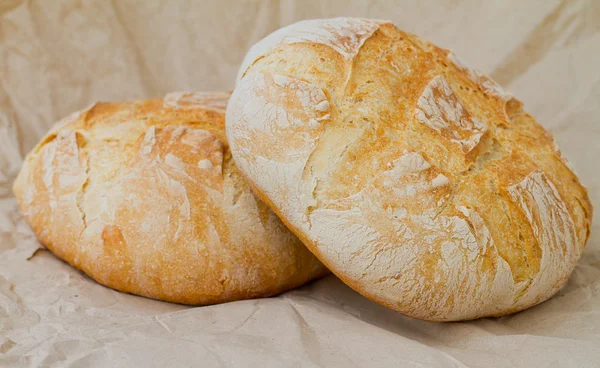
(415, 178)
(143, 196)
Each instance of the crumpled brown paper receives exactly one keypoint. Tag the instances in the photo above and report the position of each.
(59, 56)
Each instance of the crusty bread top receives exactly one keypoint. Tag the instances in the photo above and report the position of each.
(144, 197)
(413, 177)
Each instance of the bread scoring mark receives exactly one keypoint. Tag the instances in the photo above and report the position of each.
(64, 170)
(71, 118)
(277, 114)
(215, 101)
(64, 176)
(409, 162)
(325, 157)
(29, 188)
(148, 142)
(174, 161)
(554, 230)
(480, 79)
(178, 191)
(68, 120)
(177, 133)
(313, 104)
(47, 165)
(408, 177)
(498, 283)
(440, 109)
(345, 35)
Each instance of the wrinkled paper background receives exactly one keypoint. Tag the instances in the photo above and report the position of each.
(59, 56)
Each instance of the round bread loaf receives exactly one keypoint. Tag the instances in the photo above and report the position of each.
(414, 178)
(143, 196)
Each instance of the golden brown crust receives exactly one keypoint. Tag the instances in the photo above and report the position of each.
(143, 197)
(416, 179)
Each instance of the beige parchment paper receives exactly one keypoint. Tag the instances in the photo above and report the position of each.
(57, 56)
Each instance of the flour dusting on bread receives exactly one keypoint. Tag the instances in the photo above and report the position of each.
(143, 197)
(554, 230)
(345, 35)
(396, 166)
(440, 109)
